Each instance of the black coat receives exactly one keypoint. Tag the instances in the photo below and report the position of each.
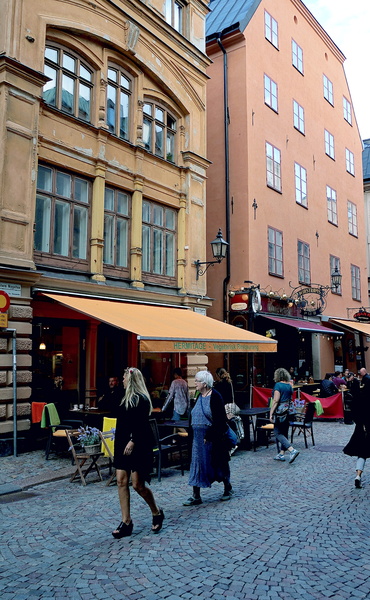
(225, 389)
(133, 424)
(359, 444)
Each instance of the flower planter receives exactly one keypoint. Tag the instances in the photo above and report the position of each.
(93, 448)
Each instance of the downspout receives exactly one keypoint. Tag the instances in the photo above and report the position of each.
(227, 177)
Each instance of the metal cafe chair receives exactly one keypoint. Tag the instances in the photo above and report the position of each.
(166, 446)
(305, 425)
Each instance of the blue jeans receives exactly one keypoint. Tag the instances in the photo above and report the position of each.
(281, 427)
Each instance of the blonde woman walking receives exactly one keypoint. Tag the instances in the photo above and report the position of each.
(133, 451)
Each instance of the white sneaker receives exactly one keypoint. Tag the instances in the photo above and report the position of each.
(280, 457)
(293, 455)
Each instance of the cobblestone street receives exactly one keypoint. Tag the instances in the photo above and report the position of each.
(297, 531)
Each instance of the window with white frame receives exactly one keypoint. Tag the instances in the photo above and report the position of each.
(159, 131)
(352, 218)
(271, 30)
(347, 110)
(271, 93)
(328, 89)
(297, 57)
(350, 162)
(116, 227)
(298, 116)
(159, 239)
(355, 282)
(273, 167)
(71, 82)
(300, 175)
(118, 102)
(275, 252)
(174, 14)
(304, 268)
(62, 214)
(329, 144)
(335, 264)
(331, 199)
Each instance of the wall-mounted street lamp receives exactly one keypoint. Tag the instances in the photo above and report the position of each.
(219, 248)
(336, 279)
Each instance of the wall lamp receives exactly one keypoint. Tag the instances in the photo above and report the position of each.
(219, 248)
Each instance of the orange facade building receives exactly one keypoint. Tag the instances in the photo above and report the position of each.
(285, 185)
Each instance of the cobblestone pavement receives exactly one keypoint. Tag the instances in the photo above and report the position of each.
(297, 531)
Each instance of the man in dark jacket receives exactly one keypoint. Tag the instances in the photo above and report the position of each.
(327, 387)
(112, 397)
(365, 383)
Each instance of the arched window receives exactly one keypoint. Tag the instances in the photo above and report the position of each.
(119, 91)
(71, 82)
(159, 131)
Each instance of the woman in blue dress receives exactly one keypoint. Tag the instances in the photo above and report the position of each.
(281, 407)
(210, 449)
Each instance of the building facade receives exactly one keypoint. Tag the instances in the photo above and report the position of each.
(102, 191)
(285, 185)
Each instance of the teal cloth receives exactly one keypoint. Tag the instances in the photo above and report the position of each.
(50, 417)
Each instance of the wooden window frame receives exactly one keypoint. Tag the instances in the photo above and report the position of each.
(75, 76)
(50, 257)
(273, 260)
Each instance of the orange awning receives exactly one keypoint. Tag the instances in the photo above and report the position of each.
(353, 325)
(163, 329)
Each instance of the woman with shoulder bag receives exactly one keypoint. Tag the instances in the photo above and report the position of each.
(224, 386)
(279, 413)
(210, 448)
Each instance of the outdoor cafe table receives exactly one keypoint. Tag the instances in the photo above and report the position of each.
(249, 417)
(91, 416)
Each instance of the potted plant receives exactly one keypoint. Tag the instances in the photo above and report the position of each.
(90, 439)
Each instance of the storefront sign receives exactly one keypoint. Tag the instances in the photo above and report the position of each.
(205, 346)
(12, 289)
(363, 316)
(239, 306)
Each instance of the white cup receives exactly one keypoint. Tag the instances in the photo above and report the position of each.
(80, 406)
(75, 407)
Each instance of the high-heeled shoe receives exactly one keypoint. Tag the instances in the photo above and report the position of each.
(158, 521)
(123, 530)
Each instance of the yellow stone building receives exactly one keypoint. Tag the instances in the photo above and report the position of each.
(102, 190)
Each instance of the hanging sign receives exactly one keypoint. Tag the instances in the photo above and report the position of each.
(362, 315)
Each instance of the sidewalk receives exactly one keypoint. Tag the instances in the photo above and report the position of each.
(18, 473)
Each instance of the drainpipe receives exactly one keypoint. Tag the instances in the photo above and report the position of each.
(227, 176)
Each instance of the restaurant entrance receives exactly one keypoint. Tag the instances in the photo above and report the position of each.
(58, 361)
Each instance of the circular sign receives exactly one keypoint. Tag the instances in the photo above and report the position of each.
(4, 301)
(256, 304)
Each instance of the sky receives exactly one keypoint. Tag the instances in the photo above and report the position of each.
(348, 24)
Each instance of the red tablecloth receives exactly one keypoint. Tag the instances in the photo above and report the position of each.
(261, 397)
(333, 406)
